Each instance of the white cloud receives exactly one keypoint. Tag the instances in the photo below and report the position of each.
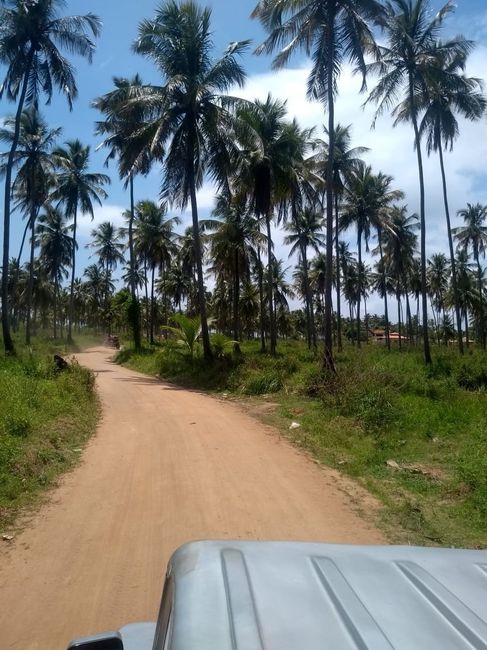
(107, 212)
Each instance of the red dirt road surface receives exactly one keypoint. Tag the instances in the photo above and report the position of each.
(167, 466)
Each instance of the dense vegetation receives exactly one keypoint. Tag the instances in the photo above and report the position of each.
(220, 283)
(46, 416)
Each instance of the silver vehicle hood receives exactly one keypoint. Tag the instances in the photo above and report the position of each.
(299, 596)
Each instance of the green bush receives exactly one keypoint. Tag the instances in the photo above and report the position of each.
(311, 381)
(17, 425)
(441, 367)
(473, 375)
(171, 361)
(260, 383)
(80, 376)
(221, 345)
(375, 409)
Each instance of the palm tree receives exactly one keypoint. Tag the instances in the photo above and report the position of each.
(105, 240)
(466, 281)
(96, 287)
(317, 275)
(269, 171)
(76, 190)
(249, 307)
(367, 199)
(383, 284)
(447, 91)
(345, 160)
(189, 117)
(176, 286)
(437, 274)
(411, 54)
(123, 115)
(474, 234)
(281, 289)
(35, 168)
(331, 31)
(188, 331)
(381, 220)
(42, 293)
(155, 242)
(235, 237)
(399, 248)
(187, 260)
(56, 250)
(31, 34)
(305, 231)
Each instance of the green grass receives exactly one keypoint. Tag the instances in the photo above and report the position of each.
(381, 407)
(45, 419)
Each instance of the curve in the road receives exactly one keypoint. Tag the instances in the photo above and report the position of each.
(166, 466)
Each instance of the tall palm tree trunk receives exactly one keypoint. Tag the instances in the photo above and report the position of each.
(165, 301)
(366, 320)
(479, 280)
(329, 363)
(199, 266)
(152, 306)
(107, 300)
(236, 300)
(466, 329)
(399, 326)
(359, 295)
(54, 313)
(73, 274)
(7, 338)
(34, 318)
(30, 284)
(261, 301)
(409, 318)
(146, 286)
(384, 284)
(424, 295)
(452, 254)
(313, 319)
(338, 279)
(135, 315)
(310, 321)
(270, 282)
(15, 280)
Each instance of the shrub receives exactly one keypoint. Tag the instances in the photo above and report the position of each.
(262, 382)
(17, 425)
(441, 367)
(375, 409)
(472, 375)
(312, 381)
(170, 362)
(221, 345)
(80, 375)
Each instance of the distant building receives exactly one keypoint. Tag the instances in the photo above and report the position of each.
(378, 335)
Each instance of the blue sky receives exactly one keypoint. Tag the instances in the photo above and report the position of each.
(392, 150)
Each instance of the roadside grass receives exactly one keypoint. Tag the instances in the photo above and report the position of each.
(415, 437)
(46, 417)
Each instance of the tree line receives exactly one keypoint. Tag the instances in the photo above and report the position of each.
(267, 168)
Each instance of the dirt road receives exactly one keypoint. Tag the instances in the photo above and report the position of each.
(167, 466)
